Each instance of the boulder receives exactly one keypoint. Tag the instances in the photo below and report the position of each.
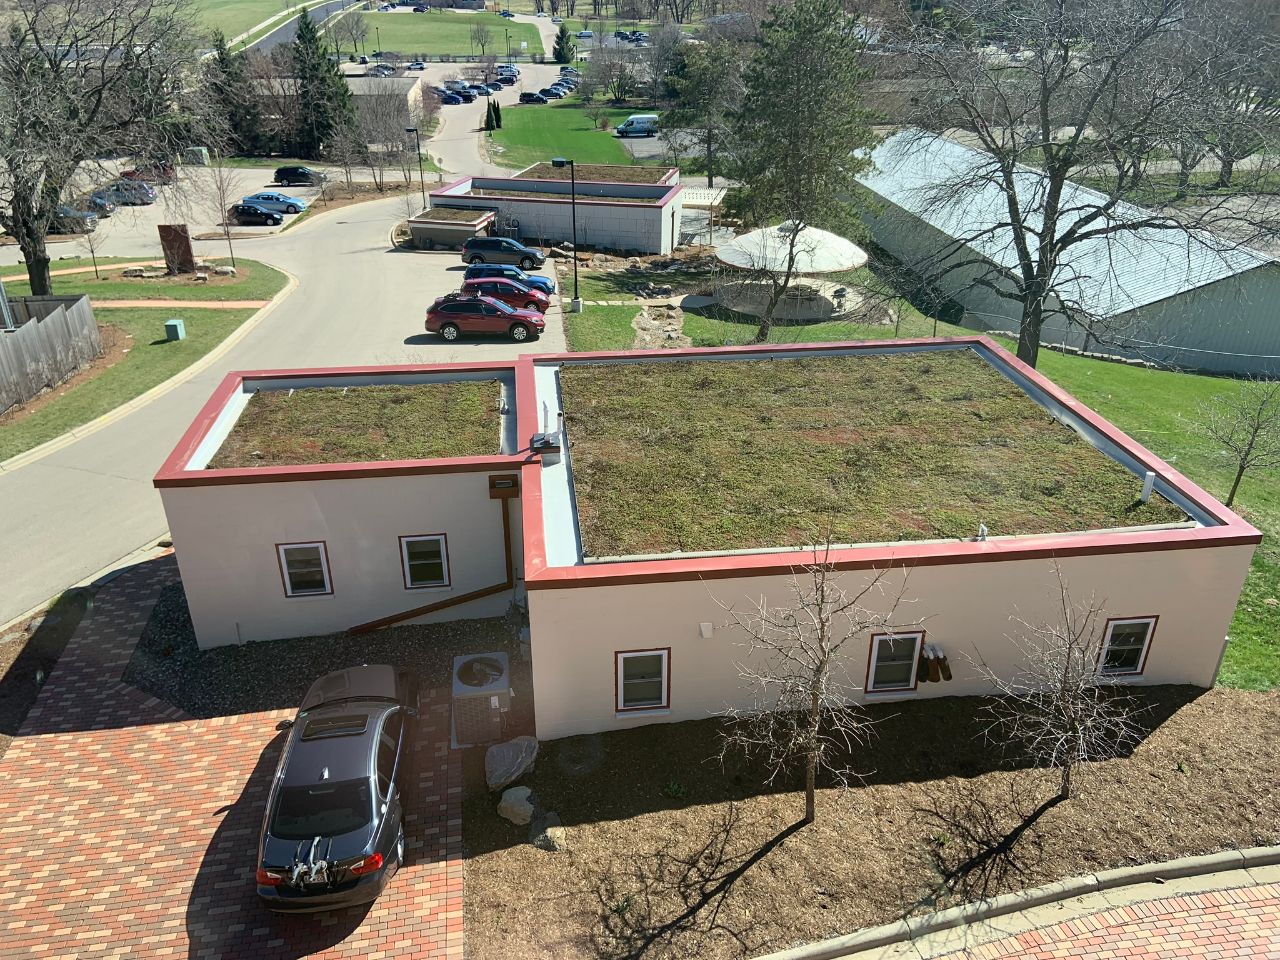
(225, 270)
(516, 805)
(546, 833)
(505, 763)
(133, 272)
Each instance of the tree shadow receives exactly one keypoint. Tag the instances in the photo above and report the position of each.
(680, 896)
(224, 916)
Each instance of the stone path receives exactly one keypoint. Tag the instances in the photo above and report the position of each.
(1241, 923)
(130, 829)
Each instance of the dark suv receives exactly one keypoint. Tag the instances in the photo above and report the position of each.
(502, 250)
(289, 176)
(333, 835)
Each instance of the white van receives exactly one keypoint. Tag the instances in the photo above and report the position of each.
(639, 125)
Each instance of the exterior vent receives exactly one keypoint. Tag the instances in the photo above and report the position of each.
(481, 695)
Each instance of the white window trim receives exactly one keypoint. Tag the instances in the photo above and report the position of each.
(444, 557)
(283, 548)
(1142, 654)
(874, 657)
(620, 659)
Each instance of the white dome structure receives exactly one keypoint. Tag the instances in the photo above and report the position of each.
(816, 251)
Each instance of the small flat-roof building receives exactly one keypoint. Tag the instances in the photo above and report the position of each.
(634, 496)
(619, 208)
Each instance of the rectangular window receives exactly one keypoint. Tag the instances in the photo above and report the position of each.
(893, 661)
(643, 679)
(304, 568)
(1124, 649)
(425, 560)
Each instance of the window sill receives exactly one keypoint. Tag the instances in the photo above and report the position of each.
(430, 588)
(309, 596)
(899, 692)
(642, 712)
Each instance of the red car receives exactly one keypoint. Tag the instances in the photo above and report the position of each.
(455, 314)
(510, 292)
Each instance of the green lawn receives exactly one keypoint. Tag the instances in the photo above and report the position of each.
(1157, 408)
(150, 361)
(534, 132)
(234, 17)
(437, 32)
(256, 281)
(601, 328)
(1160, 189)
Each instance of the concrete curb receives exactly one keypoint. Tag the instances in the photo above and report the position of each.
(905, 930)
(159, 390)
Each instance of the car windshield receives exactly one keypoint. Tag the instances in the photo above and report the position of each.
(500, 305)
(322, 810)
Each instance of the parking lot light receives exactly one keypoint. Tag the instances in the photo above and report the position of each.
(421, 180)
(575, 305)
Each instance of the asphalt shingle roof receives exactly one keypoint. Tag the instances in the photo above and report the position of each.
(1104, 276)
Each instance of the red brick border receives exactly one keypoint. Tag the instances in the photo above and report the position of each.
(130, 829)
(1241, 923)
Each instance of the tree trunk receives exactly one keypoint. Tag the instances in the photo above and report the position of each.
(36, 254)
(710, 179)
(1067, 789)
(1184, 181)
(1235, 484)
(1029, 333)
(1225, 172)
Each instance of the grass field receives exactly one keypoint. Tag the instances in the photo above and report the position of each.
(533, 132)
(1158, 408)
(255, 281)
(437, 32)
(234, 17)
(150, 360)
(1160, 189)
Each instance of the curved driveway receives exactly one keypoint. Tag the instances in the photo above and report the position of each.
(288, 30)
(89, 504)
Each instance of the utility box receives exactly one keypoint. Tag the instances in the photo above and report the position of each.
(175, 329)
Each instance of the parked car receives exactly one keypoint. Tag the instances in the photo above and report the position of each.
(502, 250)
(68, 220)
(584, 35)
(451, 100)
(621, 35)
(507, 14)
(480, 90)
(454, 314)
(529, 97)
(98, 204)
(128, 193)
(156, 171)
(557, 19)
(363, 59)
(494, 86)
(277, 202)
(466, 95)
(252, 215)
(419, 9)
(510, 292)
(532, 280)
(333, 832)
(552, 93)
(303, 176)
(506, 80)
(416, 65)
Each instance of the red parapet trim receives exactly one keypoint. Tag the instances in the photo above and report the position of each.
(200, 426)
(541, 577)
(335, 471)
(303, 373)
(443, 191)
(758, 348)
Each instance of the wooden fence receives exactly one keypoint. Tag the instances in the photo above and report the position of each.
(53, 338)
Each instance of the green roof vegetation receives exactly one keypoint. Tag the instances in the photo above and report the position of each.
(730, 455)
(596, 173)
(365, 424)
(453, 215)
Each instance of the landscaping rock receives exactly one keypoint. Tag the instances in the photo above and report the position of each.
(516, 805)
(546, 833)
(225, 270)
(133, 272)
(505, 763)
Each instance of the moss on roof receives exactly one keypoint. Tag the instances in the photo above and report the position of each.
(746, 454)
(365, 424)
(596, 172)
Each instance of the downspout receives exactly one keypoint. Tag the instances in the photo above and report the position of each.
(489, 591)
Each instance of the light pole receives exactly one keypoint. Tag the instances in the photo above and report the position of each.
(378, 33)
(575, 305)
(508, 32)
(417, 143)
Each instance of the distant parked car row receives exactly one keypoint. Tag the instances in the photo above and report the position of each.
(568, 82)
(496, 296)
(265, 209)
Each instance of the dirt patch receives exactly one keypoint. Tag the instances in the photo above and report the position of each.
(116, 344)
(29, 651)
(660, 328)
(672, 855)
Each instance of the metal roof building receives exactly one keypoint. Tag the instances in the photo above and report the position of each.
(1180, 297)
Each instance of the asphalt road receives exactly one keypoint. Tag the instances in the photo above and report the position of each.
(359, 301)
(287, 31)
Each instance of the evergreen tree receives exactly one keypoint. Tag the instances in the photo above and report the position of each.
(489, 124)
(563, 50)
(497, 114)
(230, 89)
(324, 101)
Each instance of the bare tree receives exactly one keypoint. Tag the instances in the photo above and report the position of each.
(224, 186)
(1078, 88)
(384, 112)
(80, 80)
(609, 72)
(481, 36)
(798, 663)
(1062, 706)
(353, 29)
(660, 59)
(1246, 423)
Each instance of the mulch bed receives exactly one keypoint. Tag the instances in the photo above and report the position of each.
(672, 855)
(272, 675)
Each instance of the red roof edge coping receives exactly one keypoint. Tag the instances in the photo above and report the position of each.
(173, 472)
(1233, 529)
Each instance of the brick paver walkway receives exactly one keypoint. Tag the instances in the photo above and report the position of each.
(130, 830)
(1242, 923)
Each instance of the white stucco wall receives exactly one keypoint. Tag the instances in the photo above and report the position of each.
(965, 608)
(225, 539)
